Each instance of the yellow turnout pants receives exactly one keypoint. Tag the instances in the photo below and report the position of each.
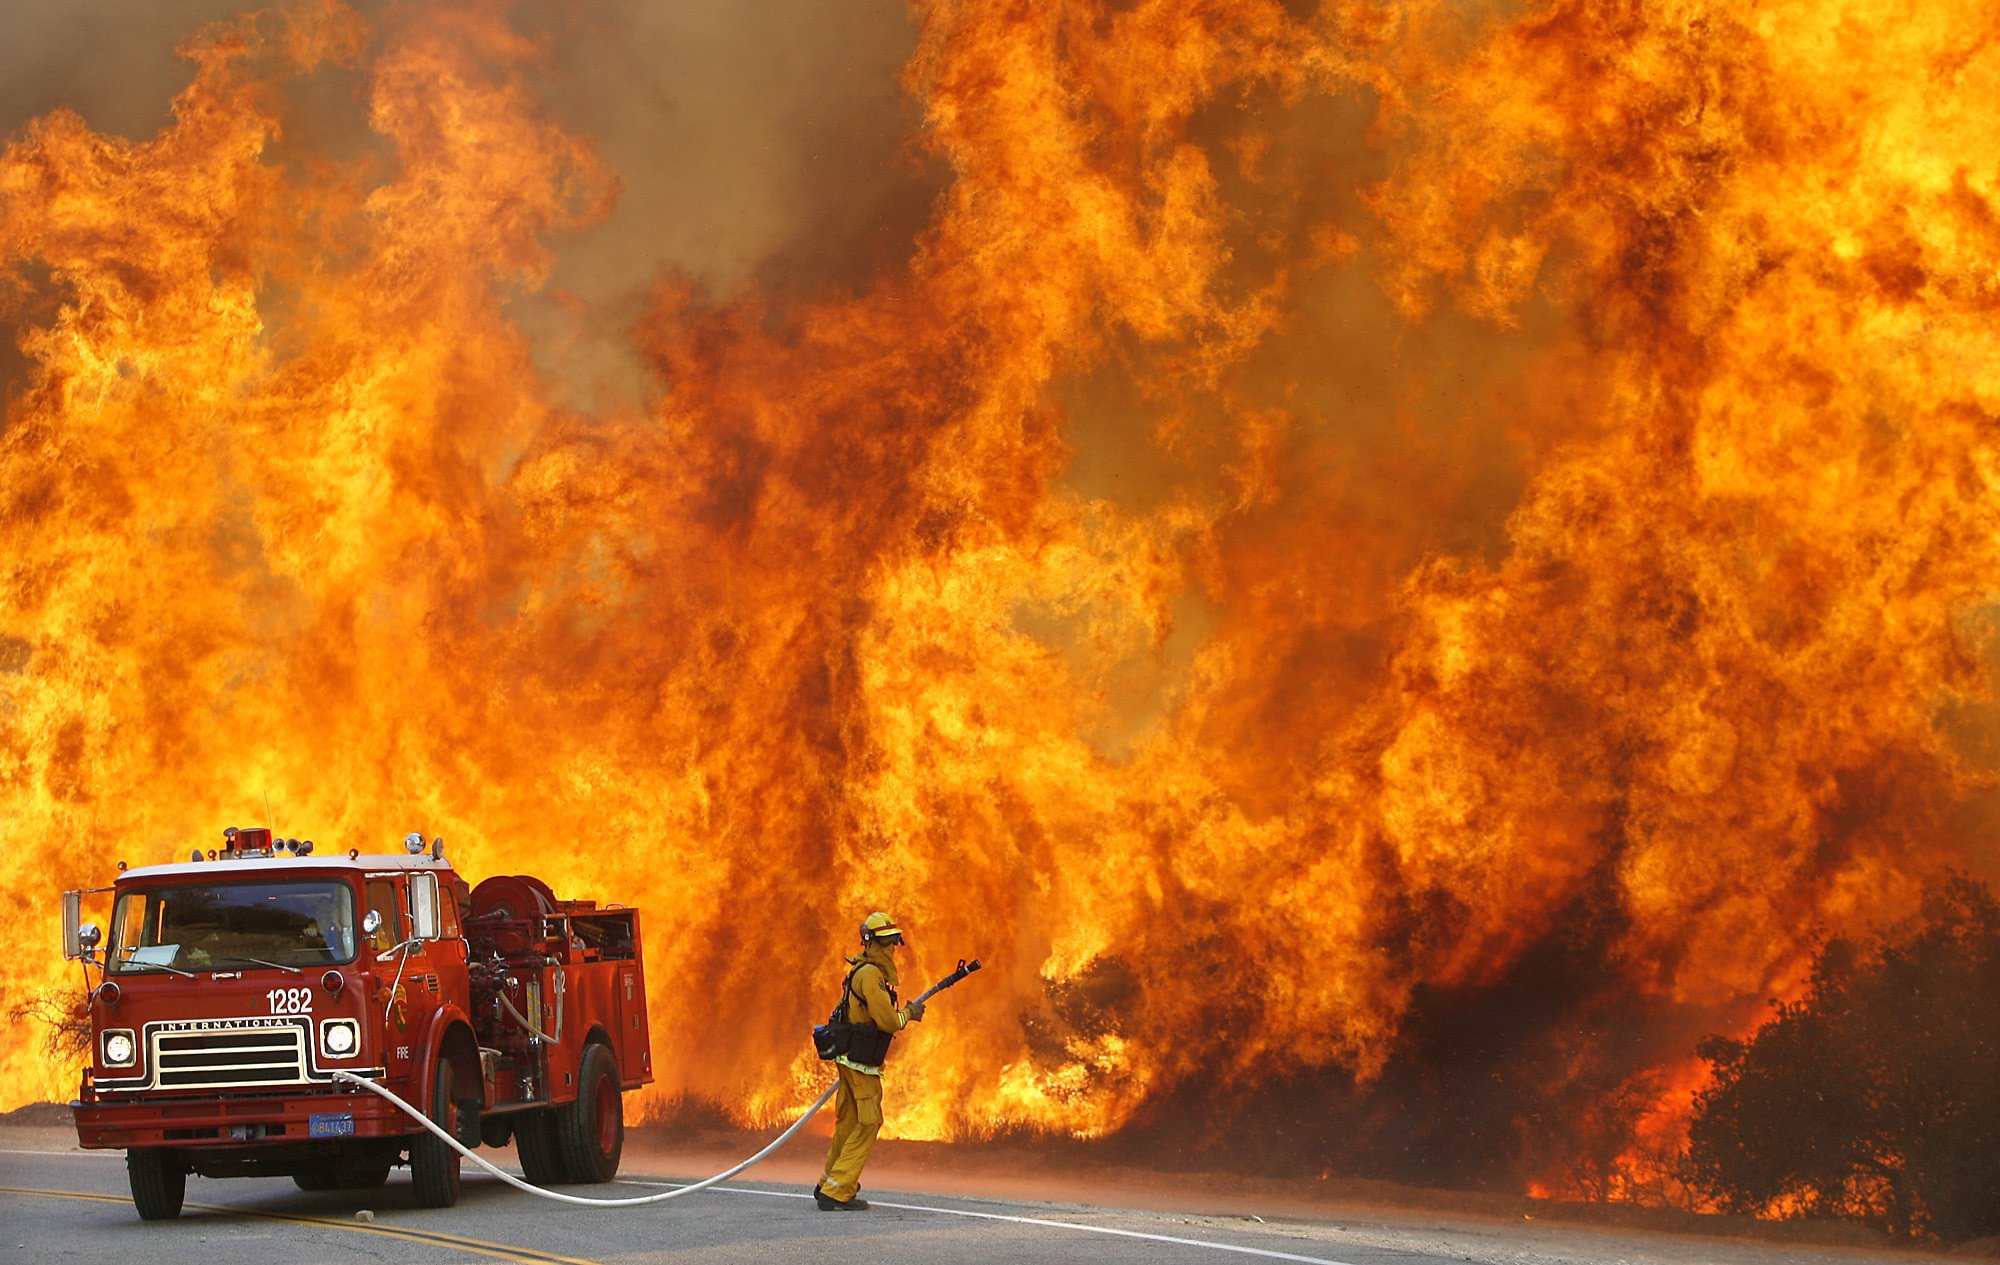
(857, 1118)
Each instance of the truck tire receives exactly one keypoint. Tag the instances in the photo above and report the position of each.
(314, 1181)
(159, 1183)
(535, 1142)
(434, 1165)
(592, 1129)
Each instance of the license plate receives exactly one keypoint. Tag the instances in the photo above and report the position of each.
(331, 1125)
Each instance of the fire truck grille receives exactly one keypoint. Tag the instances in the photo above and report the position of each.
(242, 1056)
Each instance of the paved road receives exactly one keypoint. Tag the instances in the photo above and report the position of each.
(57, 1205)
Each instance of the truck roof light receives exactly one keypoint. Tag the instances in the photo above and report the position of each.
(255, 841)
(305, 849)
(196, 856)
(413, 842)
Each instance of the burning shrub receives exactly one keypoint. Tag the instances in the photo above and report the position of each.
(1878, 1094)
(64, 1019)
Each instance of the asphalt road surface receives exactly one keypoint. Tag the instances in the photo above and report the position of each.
(69, 1205)
(61, 1204)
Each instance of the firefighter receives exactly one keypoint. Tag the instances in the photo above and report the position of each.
(857, 1106)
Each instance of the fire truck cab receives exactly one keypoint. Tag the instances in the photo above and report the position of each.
(232, 987)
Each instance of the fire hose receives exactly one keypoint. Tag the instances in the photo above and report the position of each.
(964, 969)
(562, 988)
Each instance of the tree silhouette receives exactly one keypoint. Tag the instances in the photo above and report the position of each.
(1878, 1094)
(64, 1018)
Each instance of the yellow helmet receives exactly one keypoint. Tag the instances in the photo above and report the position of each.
(879, 926)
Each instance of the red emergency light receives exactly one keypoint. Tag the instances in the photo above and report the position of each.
(255, 839)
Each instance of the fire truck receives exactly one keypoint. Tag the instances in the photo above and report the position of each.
(234, 985)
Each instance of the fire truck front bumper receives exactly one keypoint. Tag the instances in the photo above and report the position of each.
(234, 1121)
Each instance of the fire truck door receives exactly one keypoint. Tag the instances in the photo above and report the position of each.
(396, 1001)
(434, 973)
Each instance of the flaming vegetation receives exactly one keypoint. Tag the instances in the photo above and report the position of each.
(1345, 519)
(1878, 1093)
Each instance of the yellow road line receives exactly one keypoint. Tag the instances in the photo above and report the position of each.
(506, 1251)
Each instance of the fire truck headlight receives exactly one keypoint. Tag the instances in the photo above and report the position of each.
(119, 1048)
(338, 1038)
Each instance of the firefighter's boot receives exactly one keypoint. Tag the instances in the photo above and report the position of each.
(829, 1204)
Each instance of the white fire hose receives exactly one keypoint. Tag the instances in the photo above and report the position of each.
(516, 1182)
(531, 1029)
(964, 969)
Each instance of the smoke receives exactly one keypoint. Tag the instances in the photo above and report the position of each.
(112, 61)
(753, 144)
(756, 145)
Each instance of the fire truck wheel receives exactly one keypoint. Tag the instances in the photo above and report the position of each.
(158, 1183)
(313, 1181)
(434, 1165)
(535, 1140)
(592, 1129)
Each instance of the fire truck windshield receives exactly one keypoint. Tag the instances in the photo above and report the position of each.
(230, 926)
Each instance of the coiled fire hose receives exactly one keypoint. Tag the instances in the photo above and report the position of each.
(964, 969)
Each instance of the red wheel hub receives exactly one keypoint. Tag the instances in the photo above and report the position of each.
(605, 1109)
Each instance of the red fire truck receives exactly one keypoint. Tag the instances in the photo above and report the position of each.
(235, 984)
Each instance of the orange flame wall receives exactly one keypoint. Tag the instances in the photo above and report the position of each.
(1329, 495)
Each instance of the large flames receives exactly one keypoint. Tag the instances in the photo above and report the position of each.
(1331, 503)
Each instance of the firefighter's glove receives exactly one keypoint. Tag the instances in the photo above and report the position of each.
(913, 1012)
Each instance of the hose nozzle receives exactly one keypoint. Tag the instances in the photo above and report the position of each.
(965, 968)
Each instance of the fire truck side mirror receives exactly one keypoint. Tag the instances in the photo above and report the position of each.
(72, 925)
(89, 936)
(424, 906)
